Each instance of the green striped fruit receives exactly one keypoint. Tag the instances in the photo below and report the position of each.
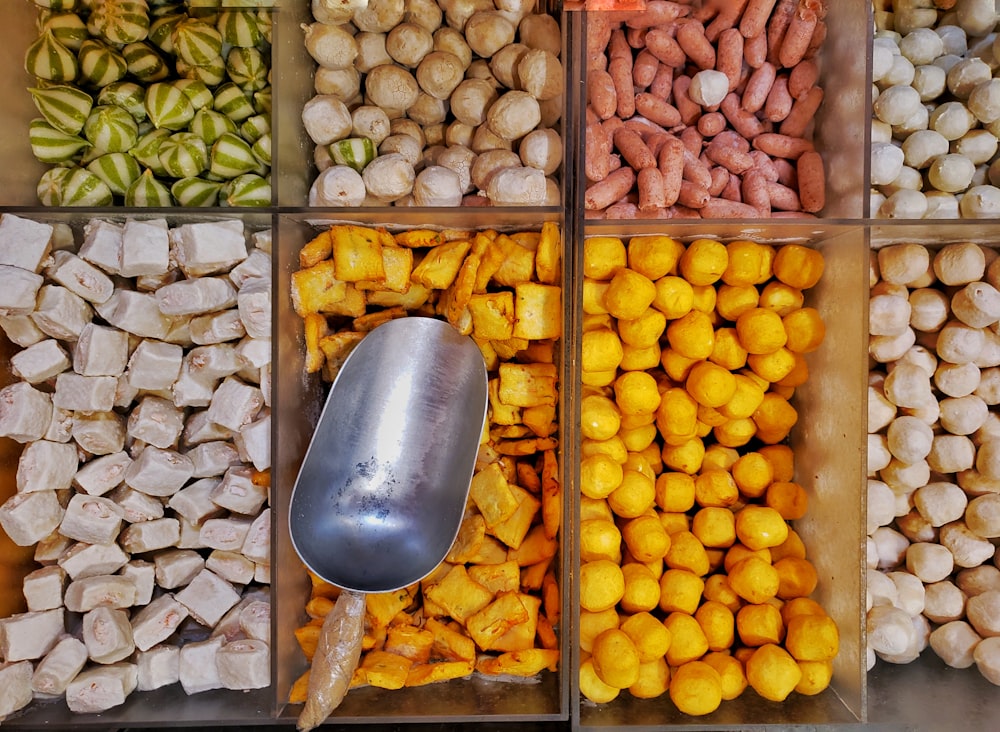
(265, 25)
(253, 128)
(233, 102)
(125, 94)
(212, 74)
(195, 192)
(231, 156)
(80, 187)
(50, 145)
(50, 185)
(196, 42)
(64, 107)
(144, 63)
(68, 28)
(262, 101)
(262, 148)
(210, 125)
(126, 21)
(147, 191)
(100, 64)
(147, 150)
(168, 106)
(247, 68)
(246, 190)
(355, 152)
(195, 90)
(47, 58)
(118, 170)
(111, 129)
(183, 155)
(239, 28)
(161, 32)
(57, 5)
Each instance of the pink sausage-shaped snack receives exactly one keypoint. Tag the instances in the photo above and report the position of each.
(610, 190)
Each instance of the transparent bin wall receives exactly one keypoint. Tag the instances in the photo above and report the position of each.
(298, 401)
(165, 707)
(829, 446)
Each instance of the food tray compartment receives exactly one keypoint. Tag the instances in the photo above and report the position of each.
(299, 399)
(829, 463)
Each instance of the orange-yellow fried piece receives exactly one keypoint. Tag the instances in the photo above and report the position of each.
(536, 547)
(336, 347)
(431, 673)
(318, 607)
(357, 253)
(520, 663)
(415, 297)
(533, 575)
(382, 607)
(371, 320)
(513, 530)
(471, 534)
(459, 595)
(501, 413)
(461, 289)
(397, 263)
(551, 494)
(541, 420)
(410, 642)
(547, 637)
(491, 623)
(492, 315)
(317, 289)
(440, 265)
(492, 495)
(307, 637)
(550, 598)
(527, 476)
(521, 636)
(317, 250)
(538, 311)
(419, 238)
(517, 263)
(548, 255)
(300, 688)
(503, 577)
(528, 384)
(449, 644)
(385, 670)
(315, 327)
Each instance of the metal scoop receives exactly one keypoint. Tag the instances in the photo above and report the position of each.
(383, 486)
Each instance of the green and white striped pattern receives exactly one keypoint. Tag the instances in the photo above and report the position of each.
(195, 192)
(253, 128)
(49, 188)
(247, 190)
(355, 152)
(68, 28)
(80, 187)
(57, 5)
(196, 91)
(212, 74)
(183, 155)
(53, 146)
(262, 101)
(196, 42)
(111, 129)
(100, 64)
(262, 149)
(233, 102)
(161, 32)
(239, 28)
(144, 63)
(168, 106)
(48, 59)
(210, 125)
(147, 191)
(147, 150)
(125, 94)
(123, 21)
(231, 156)
(64, 107)
(118, 170)
(247, 68)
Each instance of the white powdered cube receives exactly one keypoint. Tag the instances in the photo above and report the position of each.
(235, 404)
(231, 566)
(63, 237)
(18, 290)
(152, 283)
(265, 383)
(213, 458)
(159, 666)
(196, 297)
(21, 329)
(136, 506)
(99, 433)
(92, 519)
(255, 620)
(227, 534)
(102, 244)
(262, 575)
(30, 517)
(80, 277)
(59, 666)
(107, 634)
(238, 493)
(194, 501)
(88, 560)
(254, 441)
(191, 389)
(85, 393)
(61, 314)
(40, 361)
(177, 567)
(157, 621)
(125, 393)
(156, 421)
(145, 248)
(257, 542)
(102, 474)
(198, 671)
(190, 535)
(50, 549)
(210, 247)
(217, 328)
(254, 303)
(24, 243)
(60, 426)
(149, 536)
(244, 664)
(256, 266)
(216, 361)
(46, 465)
(100, 351)
(159, 472)
(101, 688)
(200, 428)
(254, 352)
(25, 412)
(262, 239)
(208, 597)
(43, 588)
(30, 635)
(136, 313)
(154, 365)
(180, 332)
(143, 576)
(15, 687)
(103, 590)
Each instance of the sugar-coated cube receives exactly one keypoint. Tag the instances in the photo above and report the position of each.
(40, 361)
(24, 243)
(100, 688)
(145, 248)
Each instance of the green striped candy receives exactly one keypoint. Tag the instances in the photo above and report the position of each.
(212, 74)
(47, 58)
(254, 127)
(53, 146)
(124, 21)
(168, 106)
(209, 125)
(80, 187)
(262, 148)
(111, 129)
(147, 150)
(49, 188)
(144, 63)
(148, 191)
(64, 107)
(247, 68)
(125, 94)
(183, 155)
(239, 28)
(247, 190)
(233, 102)
(231, 156)
(161, 32)
(196, 42)
(68, 28)
(195, 192)
(264, 23)
(118, 170)
(262, 101)
(99, 64)
(195, 90)
(355, 152)
(57, 5)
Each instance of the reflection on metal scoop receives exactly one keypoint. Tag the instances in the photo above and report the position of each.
(382, 489)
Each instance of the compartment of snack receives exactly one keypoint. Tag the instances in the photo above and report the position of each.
(429, 649)
(137, 468)
(692, 430)
(727, 110)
